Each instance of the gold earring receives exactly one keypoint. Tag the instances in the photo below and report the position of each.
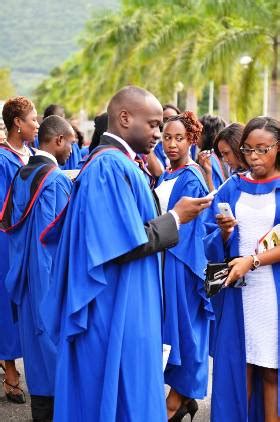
(19, 130)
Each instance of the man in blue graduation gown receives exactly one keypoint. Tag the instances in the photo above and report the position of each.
(37, 195)
(105, 300)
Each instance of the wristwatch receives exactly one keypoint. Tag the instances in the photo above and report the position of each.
(256, 262)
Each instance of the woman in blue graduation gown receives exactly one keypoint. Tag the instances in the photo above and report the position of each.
(210, 162)
(37, 195)
(188, 311)
(20, 118)
(163, 161)
(227, 143)
(246, 335)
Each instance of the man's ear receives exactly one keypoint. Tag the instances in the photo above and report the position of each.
(59, 139)
(125, 118)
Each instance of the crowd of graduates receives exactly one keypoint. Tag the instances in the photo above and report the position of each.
(103, 256)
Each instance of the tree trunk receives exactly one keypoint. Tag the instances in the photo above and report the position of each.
(224, 103)
(274, 100)
(274, 90)
(191, 100)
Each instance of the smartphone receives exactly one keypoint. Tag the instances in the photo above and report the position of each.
(225, 209)
(211, 194)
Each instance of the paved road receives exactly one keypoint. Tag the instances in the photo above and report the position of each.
(21, 412)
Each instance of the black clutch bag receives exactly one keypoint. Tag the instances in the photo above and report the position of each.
(216, 275)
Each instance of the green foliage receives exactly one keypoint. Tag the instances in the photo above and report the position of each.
(7, 88)
(158, 43)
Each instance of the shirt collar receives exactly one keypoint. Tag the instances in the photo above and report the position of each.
(130, 151)
(46, 154)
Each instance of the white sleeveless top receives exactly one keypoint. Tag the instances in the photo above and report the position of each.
(255, 215)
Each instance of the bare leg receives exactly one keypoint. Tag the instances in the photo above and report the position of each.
(11, 375)
(270, 384)
(250, 370)
(173, 402)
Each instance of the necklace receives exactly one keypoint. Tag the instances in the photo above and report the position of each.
(22, 151)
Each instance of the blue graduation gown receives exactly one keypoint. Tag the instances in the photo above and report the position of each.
(84, 152)
(28, 278)
(10, 348)
(107, 316)
(188, 310)
(159, 152)
(74, 159)
(218, 174)
(229, 396)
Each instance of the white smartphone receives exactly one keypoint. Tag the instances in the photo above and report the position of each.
(225, 209)
(211, 194)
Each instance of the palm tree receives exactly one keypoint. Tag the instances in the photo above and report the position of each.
(158, 43)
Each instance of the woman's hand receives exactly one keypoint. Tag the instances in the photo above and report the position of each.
(239, 267)
(205, 162)
(226, 225)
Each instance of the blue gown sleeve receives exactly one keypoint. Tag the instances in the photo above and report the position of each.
(102, 222)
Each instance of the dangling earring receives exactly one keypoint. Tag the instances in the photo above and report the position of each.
(19, 130)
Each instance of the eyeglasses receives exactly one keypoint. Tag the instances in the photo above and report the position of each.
(259, 151)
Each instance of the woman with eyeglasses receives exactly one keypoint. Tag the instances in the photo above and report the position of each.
(246, 340)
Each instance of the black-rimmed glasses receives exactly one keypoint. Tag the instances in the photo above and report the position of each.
(258, 150)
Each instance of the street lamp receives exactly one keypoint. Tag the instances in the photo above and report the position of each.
(179, 86)
(245, 60)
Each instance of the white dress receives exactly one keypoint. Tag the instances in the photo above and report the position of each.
(255, 215)
(163, 192)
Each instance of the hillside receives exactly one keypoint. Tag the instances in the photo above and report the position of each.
(37, 36)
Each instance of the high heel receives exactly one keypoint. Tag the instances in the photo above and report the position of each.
(192, 408)
(188, 406)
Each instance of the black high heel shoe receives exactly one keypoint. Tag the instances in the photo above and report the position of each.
(188, 406)
(192, 408)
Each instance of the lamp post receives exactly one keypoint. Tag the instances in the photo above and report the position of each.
(265, 92)
(211, 97)
(179, 86)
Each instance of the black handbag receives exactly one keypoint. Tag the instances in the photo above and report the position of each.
(216, 275)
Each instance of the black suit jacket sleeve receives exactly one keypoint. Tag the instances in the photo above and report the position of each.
(162, 233)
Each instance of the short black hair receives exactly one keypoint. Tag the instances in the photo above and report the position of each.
(54, 109)
(53, 126)
(262, 122)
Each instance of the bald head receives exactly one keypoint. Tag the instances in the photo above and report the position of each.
(135, 114)
(129, 98)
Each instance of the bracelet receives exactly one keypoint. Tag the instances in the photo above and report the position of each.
(256, 262)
